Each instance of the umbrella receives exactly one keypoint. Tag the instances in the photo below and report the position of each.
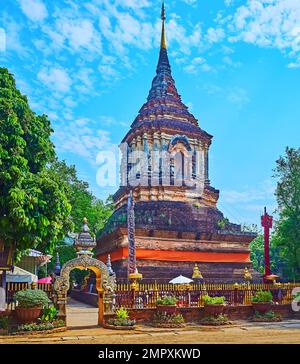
(45, 280)
(272, 277)
(181, 280)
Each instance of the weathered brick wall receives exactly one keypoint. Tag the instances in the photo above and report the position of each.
(194, 314)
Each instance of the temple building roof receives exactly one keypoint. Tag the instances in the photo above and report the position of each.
(164, 108)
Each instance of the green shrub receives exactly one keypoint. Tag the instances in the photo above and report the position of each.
(49, 314)
(118, 322)
(215, 320)
(42, 326)
(4, 322)
(32, 298)
(121, 319)
(164, 318)
(167, 300)
(213, 300)
(122, 314)
(262, 297)
(269, 316)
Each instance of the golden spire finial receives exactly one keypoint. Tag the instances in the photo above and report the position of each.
(163, 43)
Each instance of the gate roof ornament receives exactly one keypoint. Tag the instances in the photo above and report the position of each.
(84, 243)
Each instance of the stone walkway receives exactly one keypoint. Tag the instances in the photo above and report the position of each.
(285, 333)
(82, 329)
(80, 314)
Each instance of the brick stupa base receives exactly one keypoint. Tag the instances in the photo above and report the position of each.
(168, 244)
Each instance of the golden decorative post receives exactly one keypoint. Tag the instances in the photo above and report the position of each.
(248, 278)
(197, 276)
(196, 272)
(247, 275)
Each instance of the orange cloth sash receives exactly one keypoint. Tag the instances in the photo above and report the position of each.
(179, 256)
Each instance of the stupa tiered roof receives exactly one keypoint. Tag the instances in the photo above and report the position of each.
(164, 108)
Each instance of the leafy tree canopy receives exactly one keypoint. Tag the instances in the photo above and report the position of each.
(34, 209)
(277, 259)
(83, 202)
(287, 229)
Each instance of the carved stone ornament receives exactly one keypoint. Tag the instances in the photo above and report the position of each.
(61, 284)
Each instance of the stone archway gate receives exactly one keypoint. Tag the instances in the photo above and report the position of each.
(105, 285)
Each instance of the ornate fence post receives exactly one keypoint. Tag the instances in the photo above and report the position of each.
(155, 289)
(236, 294)
(100, 307)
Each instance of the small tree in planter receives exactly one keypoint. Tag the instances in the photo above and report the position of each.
(262, 301)
(121, 321)
(30, 304)
(214, 306)
(167, 305)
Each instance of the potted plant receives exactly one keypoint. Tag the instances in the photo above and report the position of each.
(121, 321)
(4, 323)
(30, 304)
(167, 305)
(262, 301)
(214, 306)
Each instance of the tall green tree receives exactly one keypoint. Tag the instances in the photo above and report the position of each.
(258, 258)
(83, 202)
(287, 230)
(34, 208)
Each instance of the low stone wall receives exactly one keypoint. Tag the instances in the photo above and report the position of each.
(195, 314)
(190, 314)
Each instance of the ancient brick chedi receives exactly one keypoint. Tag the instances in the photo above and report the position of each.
(177, 222)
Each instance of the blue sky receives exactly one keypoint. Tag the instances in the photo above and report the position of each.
(89, 65)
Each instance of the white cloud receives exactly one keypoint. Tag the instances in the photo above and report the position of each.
(177, 33)
(269, 23)
(52, 115)
(228, 2)
(78, 33)
(215, 35)
(13, 31)
(134, 4)
(124, 29)
(264, 191)
(197, 64)
(235, 203)
(82, 138)
(2, 40)
(35, 10)
(190, 2)
(238, 96)
(228, 61)
(55, 78)
(71, 34)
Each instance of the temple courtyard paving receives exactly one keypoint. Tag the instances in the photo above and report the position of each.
(83, 330)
